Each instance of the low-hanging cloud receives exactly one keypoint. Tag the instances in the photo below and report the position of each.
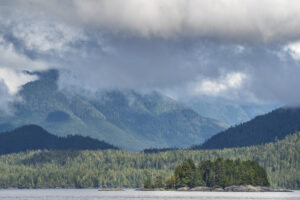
(14, 79)
(5, 99)
(222, 85)
(12, 75)
(14, 62)
(243, 50)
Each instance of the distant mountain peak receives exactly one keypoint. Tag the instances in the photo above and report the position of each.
(124, 118)
(47, 81)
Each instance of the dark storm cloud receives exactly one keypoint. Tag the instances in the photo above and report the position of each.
(245, 50)
(230, 20)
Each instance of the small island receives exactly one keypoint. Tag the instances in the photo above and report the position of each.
(218, 176)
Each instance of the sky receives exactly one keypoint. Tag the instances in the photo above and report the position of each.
(242, 50)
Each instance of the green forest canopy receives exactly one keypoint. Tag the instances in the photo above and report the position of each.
(219, 173)
(116, 168)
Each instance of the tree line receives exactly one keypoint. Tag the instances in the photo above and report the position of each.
(116, 168)
(219, 173)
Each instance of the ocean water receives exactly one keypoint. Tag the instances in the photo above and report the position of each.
(93, 194)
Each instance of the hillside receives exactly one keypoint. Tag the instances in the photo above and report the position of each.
(227, 111)
(125, 119)
(262, 129)
(32, 137)
(114, 168)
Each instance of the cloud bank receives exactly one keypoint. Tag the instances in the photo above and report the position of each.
(241, 50)
(231, 20)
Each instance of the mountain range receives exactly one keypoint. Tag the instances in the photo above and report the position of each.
(126, 119)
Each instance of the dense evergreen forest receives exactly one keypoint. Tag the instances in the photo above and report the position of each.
(115, 168)
(32, 137)
(262, 129)
(219, 173)
(159, 150)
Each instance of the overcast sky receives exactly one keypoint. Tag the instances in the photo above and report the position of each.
(243, 50)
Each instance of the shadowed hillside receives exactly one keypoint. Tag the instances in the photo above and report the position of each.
(32, 137)
(262, 129)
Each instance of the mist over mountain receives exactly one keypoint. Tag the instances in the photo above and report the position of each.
(228, 111)
(125, 119)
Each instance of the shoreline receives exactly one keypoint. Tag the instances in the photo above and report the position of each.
(233, 188)
(185, 189)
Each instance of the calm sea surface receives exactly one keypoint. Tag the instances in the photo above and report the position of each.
(93, 194)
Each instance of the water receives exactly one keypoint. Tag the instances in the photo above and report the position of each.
(93, 194)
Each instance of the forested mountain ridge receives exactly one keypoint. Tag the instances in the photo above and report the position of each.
(125, 119)
(32, 137)
(262, 129)
(115, 168)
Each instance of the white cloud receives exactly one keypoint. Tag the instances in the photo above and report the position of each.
(14, 79)
(293, 49)
(221, 85)
(239, 49)
(12, 66)
(5, 98)
(11, 59)
(12, 76)
(47, 37)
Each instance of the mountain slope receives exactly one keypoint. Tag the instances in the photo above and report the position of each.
(125, 119)
(227, 111)
(262, 129)
(32, 137)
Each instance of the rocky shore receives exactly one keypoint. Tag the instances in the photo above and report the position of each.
(233, 188)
